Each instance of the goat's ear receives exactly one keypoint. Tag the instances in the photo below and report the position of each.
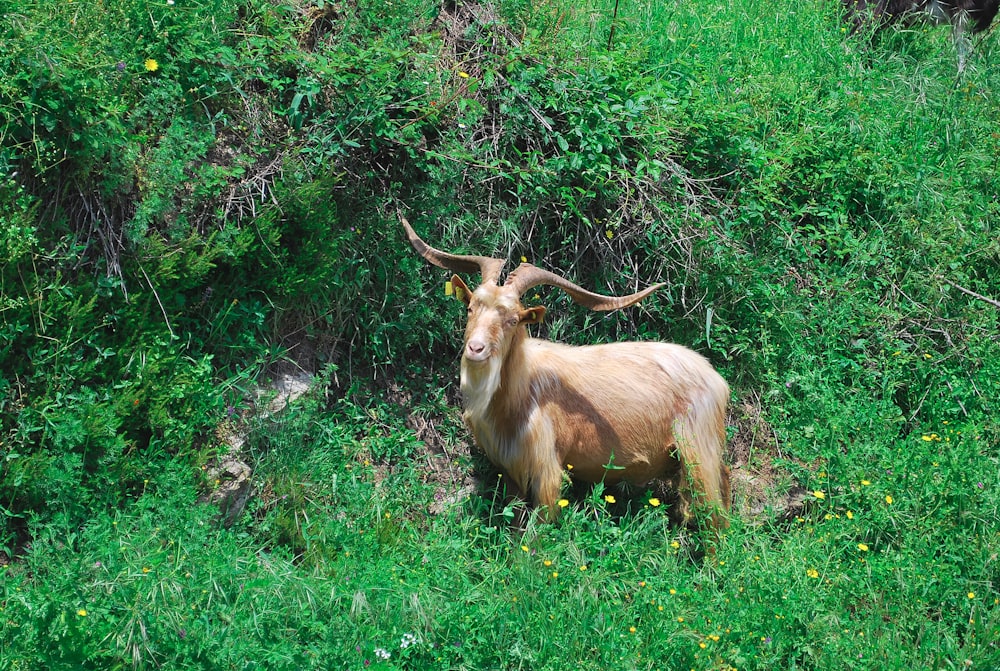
(461, 290)
(533, 315)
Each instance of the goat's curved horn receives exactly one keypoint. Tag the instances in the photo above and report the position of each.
(526, 276)
(488, 267)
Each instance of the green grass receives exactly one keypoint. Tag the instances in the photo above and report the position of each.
(853, 582)
(823, 209)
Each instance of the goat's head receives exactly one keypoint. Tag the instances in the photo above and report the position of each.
(495, 310)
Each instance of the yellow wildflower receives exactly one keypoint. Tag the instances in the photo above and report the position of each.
(863, 547)
(812, 573)
(609, 498)
(888, 499)
(83, 612)
(562, 503)
(151, 65)
(819, 494)
(654, 502)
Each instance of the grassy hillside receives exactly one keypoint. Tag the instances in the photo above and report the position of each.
(198, 196)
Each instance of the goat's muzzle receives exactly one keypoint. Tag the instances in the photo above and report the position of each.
(477, 350)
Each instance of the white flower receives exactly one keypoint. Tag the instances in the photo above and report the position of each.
(381, 653)
(408, 640)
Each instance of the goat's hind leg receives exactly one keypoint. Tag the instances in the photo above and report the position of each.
(681, 512)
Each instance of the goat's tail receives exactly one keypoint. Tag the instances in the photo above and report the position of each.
(701, 444)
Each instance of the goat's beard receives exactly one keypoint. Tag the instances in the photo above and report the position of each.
(479, 382)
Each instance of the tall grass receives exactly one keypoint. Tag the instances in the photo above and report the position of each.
(825, 208)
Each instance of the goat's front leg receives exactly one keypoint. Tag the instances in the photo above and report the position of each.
(546, 494)
(542, 466)
(515, 495)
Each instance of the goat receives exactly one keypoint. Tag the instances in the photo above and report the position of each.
(976, 15)
(632, 411)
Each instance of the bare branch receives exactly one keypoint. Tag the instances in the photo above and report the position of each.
(986, 299)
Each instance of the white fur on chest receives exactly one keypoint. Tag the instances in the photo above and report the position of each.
(510, 442)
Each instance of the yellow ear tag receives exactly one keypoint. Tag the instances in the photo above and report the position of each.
(459, 293)
(449, 288)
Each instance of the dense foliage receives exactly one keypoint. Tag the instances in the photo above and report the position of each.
(198, 194)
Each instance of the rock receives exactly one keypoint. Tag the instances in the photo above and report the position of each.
(444, 501)
(229, 477)
(232, 487)
(289, 388)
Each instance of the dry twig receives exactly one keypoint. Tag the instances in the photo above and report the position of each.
(986, 299)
